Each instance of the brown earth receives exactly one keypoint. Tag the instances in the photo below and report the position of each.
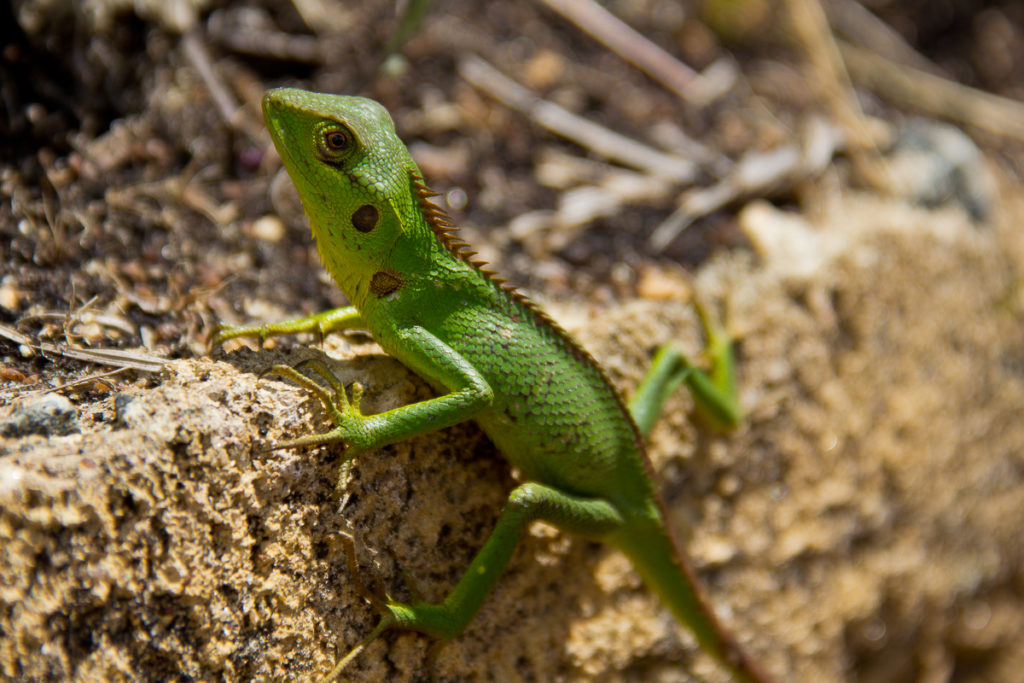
(863, 524)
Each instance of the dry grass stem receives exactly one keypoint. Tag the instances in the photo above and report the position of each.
(636, 49)
(912, 87)
(829, 74)
(111, 357)
(598, 139)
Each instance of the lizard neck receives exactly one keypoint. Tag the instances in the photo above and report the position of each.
(352, 278)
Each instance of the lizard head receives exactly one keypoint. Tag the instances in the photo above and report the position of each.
(353, 176)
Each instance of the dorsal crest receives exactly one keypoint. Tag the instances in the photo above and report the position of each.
(443, 228)
(448, 234)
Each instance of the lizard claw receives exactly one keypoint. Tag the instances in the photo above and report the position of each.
(379, 599)
(384, 625)
(376, 598)
(344, 413)
(379, 603)
(339, 400)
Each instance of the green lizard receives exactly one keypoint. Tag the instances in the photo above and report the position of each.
(492, 356)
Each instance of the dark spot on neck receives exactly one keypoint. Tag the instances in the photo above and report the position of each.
(365, 218)
(385, 282)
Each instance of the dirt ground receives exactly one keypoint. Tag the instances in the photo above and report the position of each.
(861, 525)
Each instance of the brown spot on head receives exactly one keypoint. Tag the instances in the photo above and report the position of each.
(385, 282)
(365, 218)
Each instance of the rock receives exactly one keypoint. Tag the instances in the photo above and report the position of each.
(48, 415)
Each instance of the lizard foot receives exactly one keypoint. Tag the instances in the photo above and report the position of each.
(378, 600)
(344, 411)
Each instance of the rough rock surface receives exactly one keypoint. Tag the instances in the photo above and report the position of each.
(865, 517)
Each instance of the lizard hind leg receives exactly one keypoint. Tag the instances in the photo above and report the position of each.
(379, 600)
(590, 517)
(714, 391)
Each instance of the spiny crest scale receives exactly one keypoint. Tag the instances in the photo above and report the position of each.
(447, 233)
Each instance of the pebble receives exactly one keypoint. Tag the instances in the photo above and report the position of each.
(49, 415)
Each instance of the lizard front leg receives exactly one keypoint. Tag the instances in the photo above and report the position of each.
(323, 323)
(430, 358)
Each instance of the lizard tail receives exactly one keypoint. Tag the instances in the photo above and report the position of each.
(665, 570)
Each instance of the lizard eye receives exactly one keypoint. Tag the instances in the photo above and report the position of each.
(335, 140)
(334, 143)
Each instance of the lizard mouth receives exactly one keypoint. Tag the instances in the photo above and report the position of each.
(275, 103)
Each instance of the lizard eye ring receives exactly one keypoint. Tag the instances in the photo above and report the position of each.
(334, 142)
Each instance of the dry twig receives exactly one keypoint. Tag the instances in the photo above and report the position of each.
(756, 175)
(829, 73)
(232, 114)
(117, 358)
(636, 49)
(598, 139)
(854, 21)
(590, 190)
(912, 87)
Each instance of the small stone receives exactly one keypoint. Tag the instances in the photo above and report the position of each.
(268, 228)
(49, 415)
(544, 70)
(10, 297)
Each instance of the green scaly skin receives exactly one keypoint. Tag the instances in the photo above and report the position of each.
(492, 356)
